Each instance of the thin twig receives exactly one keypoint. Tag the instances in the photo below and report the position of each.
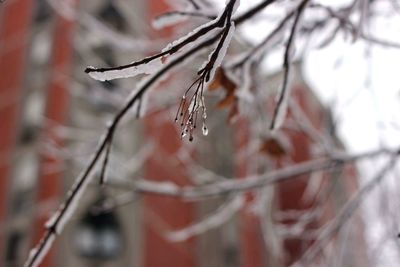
(194, 4)
(286, 65)
(105, 161)
(253, 11)
(347, 211)
(233, 185)
(255, 50)
(219, 23)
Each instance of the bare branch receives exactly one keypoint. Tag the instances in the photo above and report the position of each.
(216, 219)
(234, 185)
(56, 224)
(193, 36)
(281, 106)
(348, 210)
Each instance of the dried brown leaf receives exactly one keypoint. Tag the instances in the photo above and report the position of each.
(216, 82)
(272, 147)
(227, 100)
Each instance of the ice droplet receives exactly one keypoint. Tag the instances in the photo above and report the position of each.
(183, 134)
(205, 130)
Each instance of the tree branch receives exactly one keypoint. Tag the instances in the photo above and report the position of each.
(56, 224)
(281, 106)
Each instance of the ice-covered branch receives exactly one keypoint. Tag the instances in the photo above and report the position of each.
(61, 217)
(282, 102)
(343, 17)
(258, 50)
(139, 66)
(234, 185)
(192, 43)
(188, 111)
(216, 219)
(147, 65)
(174, 17)
(348, 210)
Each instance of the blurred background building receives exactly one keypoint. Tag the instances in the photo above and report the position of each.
(52, 115)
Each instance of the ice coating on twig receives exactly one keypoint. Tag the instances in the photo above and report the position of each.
(191, 34)
(107, 75)
(35, 259)
(235, 6)
(222, 52)
(207, 26)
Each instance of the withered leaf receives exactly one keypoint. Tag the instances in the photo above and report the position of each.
(272, 147)
(233, 112)
(221, 80)
(216, 82)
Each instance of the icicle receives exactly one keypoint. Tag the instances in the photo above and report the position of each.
(205, 130)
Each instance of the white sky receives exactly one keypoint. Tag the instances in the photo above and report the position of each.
(363, 92)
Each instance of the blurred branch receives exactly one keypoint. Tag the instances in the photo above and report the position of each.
(234, 185)
(281, 106)
(347, 211)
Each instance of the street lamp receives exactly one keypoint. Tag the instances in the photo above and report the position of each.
(98, 237)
